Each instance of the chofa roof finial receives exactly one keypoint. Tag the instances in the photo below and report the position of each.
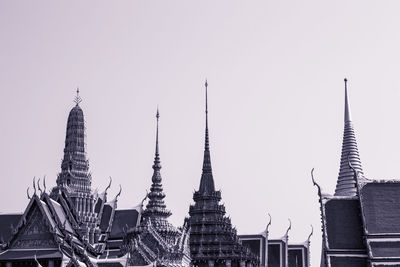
(315, 183)
(289, 228)
(309, 236)
(40, 189)
(34, 186)
(269, 223)
(119, 193)
(27, 193)
(109, 185)
(44, 183)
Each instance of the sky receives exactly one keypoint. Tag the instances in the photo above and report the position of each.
(275, 71)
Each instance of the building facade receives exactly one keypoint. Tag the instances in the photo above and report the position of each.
(360, 221)
(213, 239)
(74, 225)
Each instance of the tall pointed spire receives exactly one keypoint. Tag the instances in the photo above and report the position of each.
(346, 183)
(75, 166)
(207, 180)
(208, 224)
(156, 208)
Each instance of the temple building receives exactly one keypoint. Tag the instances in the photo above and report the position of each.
(213, 239)
(71, 225)
(360, 221)
(155, 240)
(278, 252)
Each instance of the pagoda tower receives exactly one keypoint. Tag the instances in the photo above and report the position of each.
(75, 179)
(156, 211)
(213, 240)
(155, 240)
(346, 183)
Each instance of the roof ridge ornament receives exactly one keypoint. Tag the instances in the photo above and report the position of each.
(309, 236)
(269, 223)
(119, 193)
(77, 98)
(34, 186)
(44, 183)
(289, 228)
(27, 193)
(109, 185)
(38, 184)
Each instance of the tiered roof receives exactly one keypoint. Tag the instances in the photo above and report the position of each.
(156, 211)
(75, 167)
(342, 220)
(212, 237)
(155, 239)
(346, 184)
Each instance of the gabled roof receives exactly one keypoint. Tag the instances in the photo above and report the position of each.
(127, 219)
(36, 203)
(7, 222)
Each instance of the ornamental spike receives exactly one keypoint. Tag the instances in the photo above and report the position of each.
(289, 228)
(347, 113)
(44, 183)
(27, 193)
(34, 186)
(77, 98)
(312, 232)
(38, 184)
(119, 193)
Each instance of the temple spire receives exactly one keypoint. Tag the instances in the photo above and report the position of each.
(157, 155)
(156, 208)
(346, 183)
(347, 113)
(75, 166)
(207, 180)
(77, 98)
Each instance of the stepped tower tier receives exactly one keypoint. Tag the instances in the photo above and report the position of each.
(213, 239)
(156, 211)
(75, 178)
(155, 239)
(346, 183)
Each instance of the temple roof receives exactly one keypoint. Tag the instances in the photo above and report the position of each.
(207, 180)
(7, 222)
(75, 167)
(156, 208)
(212, 236)
(346, 183)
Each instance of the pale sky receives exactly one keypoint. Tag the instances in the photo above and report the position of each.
(276, 97)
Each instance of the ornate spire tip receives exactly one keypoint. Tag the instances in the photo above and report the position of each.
(77, 99)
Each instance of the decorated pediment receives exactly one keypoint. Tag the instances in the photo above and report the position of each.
(35, 233)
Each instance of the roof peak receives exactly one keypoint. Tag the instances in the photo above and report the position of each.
(77, 98)
(156, 207)
(347, 113)
(207, 180)
(346, 183)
